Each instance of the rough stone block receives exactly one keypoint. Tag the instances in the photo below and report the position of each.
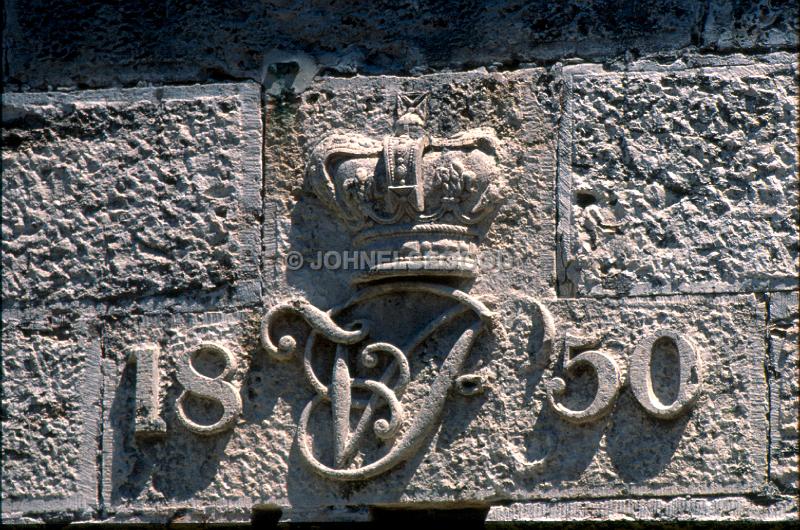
(497, 438)
(679, 181)
(51, 413)
(518, 110)
(784, 392)
(124, 194)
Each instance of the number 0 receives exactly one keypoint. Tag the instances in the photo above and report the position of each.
(689, 373)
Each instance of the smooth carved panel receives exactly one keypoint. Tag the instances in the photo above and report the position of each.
(123, 194)
(679, 181)
(51, 411)
(202, 450)
(630, 449)
(497, 435)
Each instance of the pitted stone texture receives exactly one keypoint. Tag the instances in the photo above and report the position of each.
(88, 44)
(248, 461)
(742, 24)
(681, 181)
(723, 508)
(478, 451)
(521, 108)
(51, 411)
(124, 194)
(785, 394)
(717, 446)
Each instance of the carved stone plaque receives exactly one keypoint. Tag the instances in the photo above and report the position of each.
(411, 330)
(391, 361)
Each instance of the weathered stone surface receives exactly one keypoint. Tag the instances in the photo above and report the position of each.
(124, 194)
(520, 109)
(483, 449)
(629, 451)
(87, 43)
(180, 464)
(784, 392)
(51, 412)
(735, 509)
(680, 181)
(561, 286)
(738, 24)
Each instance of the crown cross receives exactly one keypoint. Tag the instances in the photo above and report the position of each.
(412, 111)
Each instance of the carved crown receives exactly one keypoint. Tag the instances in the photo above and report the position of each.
(420, 199)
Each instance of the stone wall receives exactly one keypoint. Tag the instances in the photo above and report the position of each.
(346, 261)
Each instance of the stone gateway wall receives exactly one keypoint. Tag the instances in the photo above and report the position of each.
(365, 261)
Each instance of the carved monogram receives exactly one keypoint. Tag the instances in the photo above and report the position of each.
(387, 390)
(419, 197)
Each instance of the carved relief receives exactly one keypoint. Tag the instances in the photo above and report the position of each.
(422, 199)
(426, 202)
(605, 369)
(418, 196)
(689, 379)
(216, 389)
(148, 417)
(405, 433)
(610, 382)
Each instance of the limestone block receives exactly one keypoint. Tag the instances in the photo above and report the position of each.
(784, 413)
(713, 444)
(498, 437)
(517, 110)
(124, 194)
(725, 508)
(51, 413)
(679, 181)
(164, 465)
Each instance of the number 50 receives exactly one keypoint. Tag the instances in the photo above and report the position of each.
(639, 378)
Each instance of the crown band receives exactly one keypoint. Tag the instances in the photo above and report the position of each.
(380, 232)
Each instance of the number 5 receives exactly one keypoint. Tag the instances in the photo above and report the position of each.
(608, 381)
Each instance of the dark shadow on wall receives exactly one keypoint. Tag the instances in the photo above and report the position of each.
(92, 43)
(641, 447)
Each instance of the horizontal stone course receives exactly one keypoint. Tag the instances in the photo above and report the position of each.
(479, 453)
(722, 508)
(87, 44)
